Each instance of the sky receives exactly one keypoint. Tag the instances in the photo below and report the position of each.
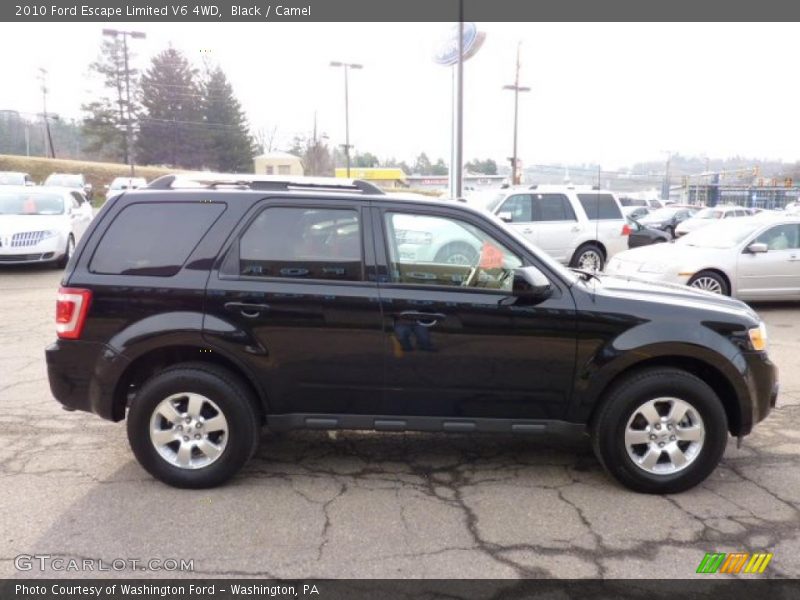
(603, 93)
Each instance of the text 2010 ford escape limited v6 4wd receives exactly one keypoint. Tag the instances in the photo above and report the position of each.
(201, 312)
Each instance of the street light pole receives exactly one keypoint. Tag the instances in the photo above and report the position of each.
(137, 35)
(346, 67)
(515, 179)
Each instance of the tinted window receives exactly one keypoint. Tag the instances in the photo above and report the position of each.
(154, 238)
(599, 206)
(431, 250)
(520, 208)
(552, 207)
(303, 243)
(781, 237)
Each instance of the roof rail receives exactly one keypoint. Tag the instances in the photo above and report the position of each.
(262, 182)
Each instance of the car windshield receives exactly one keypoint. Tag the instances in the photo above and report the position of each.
(12, 179)
(662, 213)
(725, 234)
(709, 213)
(495, 201)
(73, 181)
(23, 203)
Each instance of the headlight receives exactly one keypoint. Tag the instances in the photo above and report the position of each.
(417, 238)
(758, 337)
(656, 268)
(50, 233)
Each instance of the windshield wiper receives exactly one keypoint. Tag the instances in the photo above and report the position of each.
(586, 275)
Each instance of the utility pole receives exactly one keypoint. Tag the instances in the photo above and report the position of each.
(346, 67)
(137, 35)
(665, 188)
(48, 149)
(515, 178)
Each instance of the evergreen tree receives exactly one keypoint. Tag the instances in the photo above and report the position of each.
(104, 125)
(171, 127)
(229, 145)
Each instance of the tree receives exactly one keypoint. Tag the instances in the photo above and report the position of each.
(315, 156)
(440, 168)
(484, 167)
(366, 160)
(229, 145)
(397, 164)
(171, 127)
(422, 166)
(106, 117)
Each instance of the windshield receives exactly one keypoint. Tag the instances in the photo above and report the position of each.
(661, 214)
(709, 213)
(725, 234)
(12, 179)
(73, 181)
(31, 204)
(495, 201)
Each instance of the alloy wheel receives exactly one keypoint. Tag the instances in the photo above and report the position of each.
(708, 284)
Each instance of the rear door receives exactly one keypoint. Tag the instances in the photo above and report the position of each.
(606, 222)
(776, 272)
(556, 226)
(296, 299)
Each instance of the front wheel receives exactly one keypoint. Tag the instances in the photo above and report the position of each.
(710, 281)
(193, 425)
(660, 431)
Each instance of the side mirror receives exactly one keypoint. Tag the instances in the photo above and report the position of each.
(506, 216)
(757, 248)
(531, 284)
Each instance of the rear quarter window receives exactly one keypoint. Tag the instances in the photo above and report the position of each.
(153, 238)
(599, 206)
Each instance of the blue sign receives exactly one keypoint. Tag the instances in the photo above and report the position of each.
(447, 54)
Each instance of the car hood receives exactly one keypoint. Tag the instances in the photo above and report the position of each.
(672, 294)
(671, 254)
(695, 224)
(11, 224)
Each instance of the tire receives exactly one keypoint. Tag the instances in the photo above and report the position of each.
(588, 256)
(618, 426)
(62, 262)
(233, 439)
(457, 253)
(670, 230)
(710, 281)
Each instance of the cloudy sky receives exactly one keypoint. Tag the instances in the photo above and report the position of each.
(608, 93)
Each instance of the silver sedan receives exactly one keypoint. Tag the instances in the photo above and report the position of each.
(751, 258)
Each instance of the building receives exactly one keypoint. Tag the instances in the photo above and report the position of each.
(277, 163)
(470, 182)
(382, 177)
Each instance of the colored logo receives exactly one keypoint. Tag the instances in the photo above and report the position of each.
(736, 562)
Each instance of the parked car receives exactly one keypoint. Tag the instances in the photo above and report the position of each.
(41, 225)
(668, 218)
(644, 236)
(752, 258)
(635, 212)
(72, 181)
(121, 184)
(576, 225)
(200, 315)
(707, 216)
(15, 178)
(651, 203)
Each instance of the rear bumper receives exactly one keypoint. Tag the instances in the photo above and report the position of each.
(81, 376)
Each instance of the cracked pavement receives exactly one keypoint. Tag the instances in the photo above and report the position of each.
(359, 504)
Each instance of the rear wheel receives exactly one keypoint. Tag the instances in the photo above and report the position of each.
(589, 257)
(710, 281)
(660, 431)
(193, 425)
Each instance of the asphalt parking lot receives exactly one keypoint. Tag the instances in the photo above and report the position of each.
(313, 504)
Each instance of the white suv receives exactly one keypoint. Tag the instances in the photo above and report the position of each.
(577, 225)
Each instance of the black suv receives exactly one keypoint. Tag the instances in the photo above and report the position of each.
(206, 310)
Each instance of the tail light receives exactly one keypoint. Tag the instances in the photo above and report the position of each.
(72, 305)
(626, 229)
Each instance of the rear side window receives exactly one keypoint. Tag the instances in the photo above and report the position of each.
(552, 207)
(303, 243)
(599, 206)
(154, 238)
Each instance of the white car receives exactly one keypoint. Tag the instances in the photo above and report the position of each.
(752, 258)
(122, 184)
(41, 225)
(578, 226)
(710, 215)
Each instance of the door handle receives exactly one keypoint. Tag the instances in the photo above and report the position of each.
(576, 228)
(246, 309)
(527, 230)
(425, 319)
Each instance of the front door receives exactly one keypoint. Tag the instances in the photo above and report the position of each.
(456, 344)
(776, 272)
(293, 302)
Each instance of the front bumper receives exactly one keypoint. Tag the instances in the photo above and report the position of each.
(82, 376)
(47, 250)
(762, 382)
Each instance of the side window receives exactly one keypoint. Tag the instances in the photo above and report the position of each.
(303, 243)
(520, 208)
(76, 200)
(781, 237)
(154, 238)
(552, 207)
(599, 206)
(443, 251)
